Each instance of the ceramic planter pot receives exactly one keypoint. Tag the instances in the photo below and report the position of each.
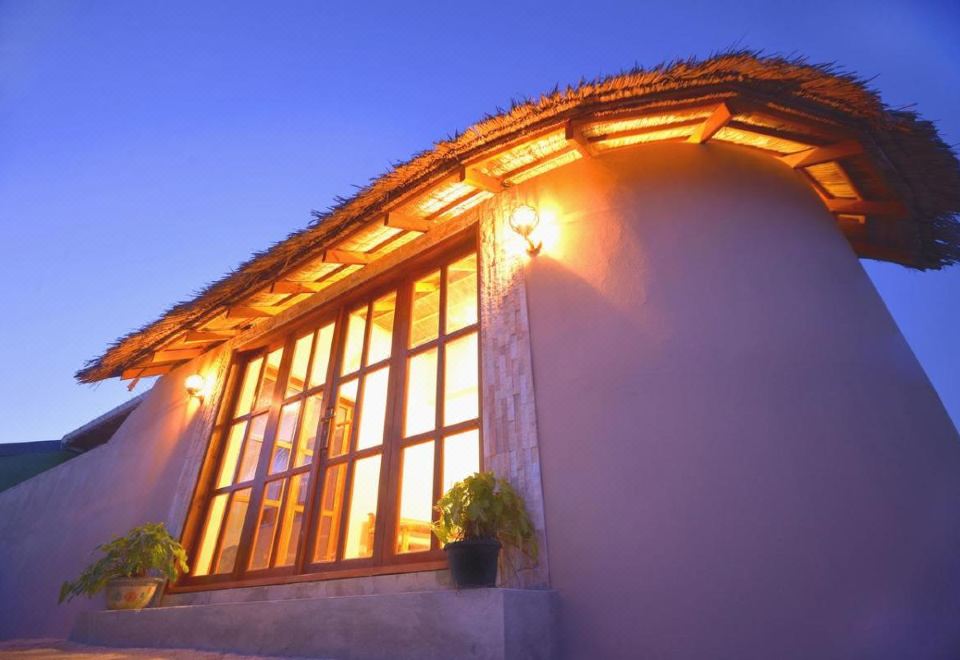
(473, 562)
(131, 593)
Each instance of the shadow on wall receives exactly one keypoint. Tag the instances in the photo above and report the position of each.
(740, 456)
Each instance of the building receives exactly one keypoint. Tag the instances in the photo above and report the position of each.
(727, 446)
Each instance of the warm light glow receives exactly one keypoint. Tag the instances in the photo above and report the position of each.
(196, 385)
(524, 220)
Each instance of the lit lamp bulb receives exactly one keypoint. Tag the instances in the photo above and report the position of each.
(523, 220)
(195, 385)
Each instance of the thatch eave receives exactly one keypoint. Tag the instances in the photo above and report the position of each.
(916, 164)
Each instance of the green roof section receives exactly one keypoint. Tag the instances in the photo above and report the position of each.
(21, 460)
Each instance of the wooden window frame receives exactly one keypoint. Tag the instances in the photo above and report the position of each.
(384, 559)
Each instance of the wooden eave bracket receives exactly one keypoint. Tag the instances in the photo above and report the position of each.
(251, 312)
(717, 120)
(406, 222)
(865, 207)
(294, 288)
(579, 141)
(347, 257)
(175, 355)
(824, 154)
(137, 373)
(474, 177)
(207, 336)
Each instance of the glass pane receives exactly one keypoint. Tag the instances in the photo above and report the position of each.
(461, 457)
(462, 293)
(328, 518)
(363, 508)
(210, 531)
(270, 372)
(283, 443)
(460, 395)
(425, 311)
(292, 521)
(266, 524)
(298, 365)
(321, 356)
(249, 387)
(343, 418)
(416, 499)
(236, 513)
(421, 412)
(228, 466)
(353, 347)
(381, 330)
(373, 412)
(309, 428)
(251, 449)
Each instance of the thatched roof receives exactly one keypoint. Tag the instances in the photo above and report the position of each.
(897, 194)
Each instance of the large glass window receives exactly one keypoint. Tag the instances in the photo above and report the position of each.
(336, 440)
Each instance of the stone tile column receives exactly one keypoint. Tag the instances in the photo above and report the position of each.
(510, 445)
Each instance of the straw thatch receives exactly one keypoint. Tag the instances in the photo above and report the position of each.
(917, 167)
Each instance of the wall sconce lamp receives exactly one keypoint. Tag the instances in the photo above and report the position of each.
(195, 386)
(523, 220)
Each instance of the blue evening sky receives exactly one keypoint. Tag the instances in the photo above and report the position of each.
(148, 147)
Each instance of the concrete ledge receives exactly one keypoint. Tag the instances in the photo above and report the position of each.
(476, 623)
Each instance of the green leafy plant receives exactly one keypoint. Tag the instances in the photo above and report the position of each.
(144, 550)
(484, 507)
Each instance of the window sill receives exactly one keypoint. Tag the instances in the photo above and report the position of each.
(195, 585)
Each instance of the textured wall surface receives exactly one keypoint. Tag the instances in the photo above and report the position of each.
(483, 624)
(510, 440)
(741, 456)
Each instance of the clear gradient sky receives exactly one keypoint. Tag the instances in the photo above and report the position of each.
(148, 147)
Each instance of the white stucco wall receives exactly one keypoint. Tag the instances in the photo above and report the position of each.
(741, 456)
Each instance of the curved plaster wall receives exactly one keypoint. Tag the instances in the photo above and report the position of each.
(741, 456)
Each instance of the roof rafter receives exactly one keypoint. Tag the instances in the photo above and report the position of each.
(719, 118)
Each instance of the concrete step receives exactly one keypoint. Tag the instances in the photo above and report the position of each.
(492, 624)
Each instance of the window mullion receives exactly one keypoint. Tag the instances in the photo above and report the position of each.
(388, 497)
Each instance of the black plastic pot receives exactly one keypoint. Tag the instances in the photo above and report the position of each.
(473, 562)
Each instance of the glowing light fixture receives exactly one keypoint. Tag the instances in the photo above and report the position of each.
(524, 220)
(195, 385)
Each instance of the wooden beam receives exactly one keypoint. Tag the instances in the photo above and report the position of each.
(251, 312)
(145, 372)
(717, 120)
(474, 177)
(207, 336)
(577, 140)
(346, 257)
(864, 207)
(407, 222)
(175, 355)
(851, 219)
(825, 154)
(289, 287)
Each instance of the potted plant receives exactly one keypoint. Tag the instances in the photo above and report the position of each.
(129, 566)
(478, 516)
